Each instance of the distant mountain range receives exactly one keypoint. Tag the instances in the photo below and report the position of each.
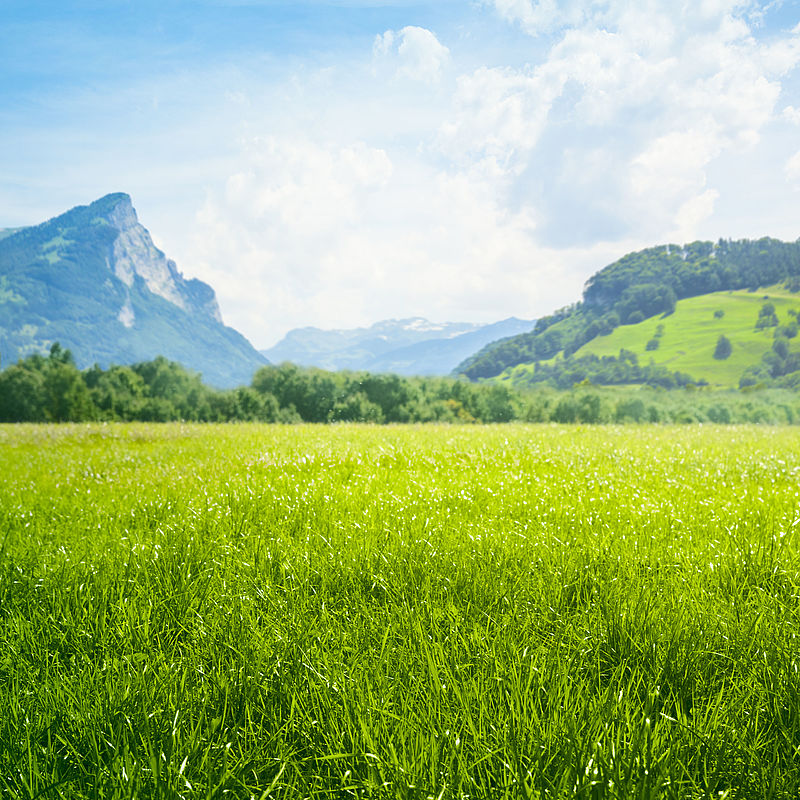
(92, 280)
(411, 346)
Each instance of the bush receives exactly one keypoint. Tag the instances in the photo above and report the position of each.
(653, 344)
(719, 413)
(781, 347)
(767, 318)
(566, 411)
(723, 348)
(635, 317)
(719, 314)
(629, 410)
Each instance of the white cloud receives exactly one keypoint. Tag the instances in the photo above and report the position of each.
(419, 54)
(669, 174)
(692, 214)
(791, 114)
(792, 169)
(499, 114)
(541, 16)
(335, 236)
(663, 91)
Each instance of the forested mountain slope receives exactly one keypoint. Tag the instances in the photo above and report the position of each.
(644, 286)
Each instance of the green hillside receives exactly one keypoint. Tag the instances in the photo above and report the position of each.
(656, 317)
(690, 334)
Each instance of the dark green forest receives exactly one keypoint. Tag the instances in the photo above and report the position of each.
(52, 389)
(638, 286)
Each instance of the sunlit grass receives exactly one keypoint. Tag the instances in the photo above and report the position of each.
(690, 334)
(401, 612)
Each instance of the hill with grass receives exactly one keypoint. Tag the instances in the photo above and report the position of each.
(723, 314)
(92, 280)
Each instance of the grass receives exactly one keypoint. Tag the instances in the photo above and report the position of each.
(403, 612)
(690, 334)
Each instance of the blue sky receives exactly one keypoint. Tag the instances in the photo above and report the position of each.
(335, 163)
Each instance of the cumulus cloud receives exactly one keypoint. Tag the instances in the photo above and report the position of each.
(792, 115)
(637, 123)
(792, 169)
(419, 54)
(338, 236)
(499, 114)
(541, 16)
(662, 90)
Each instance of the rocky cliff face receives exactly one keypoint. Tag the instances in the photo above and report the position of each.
(93, 280)
(133, 253)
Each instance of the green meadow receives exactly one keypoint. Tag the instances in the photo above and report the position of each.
(510, 611)
(690, 334)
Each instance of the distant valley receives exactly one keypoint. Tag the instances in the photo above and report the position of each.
(412, 346)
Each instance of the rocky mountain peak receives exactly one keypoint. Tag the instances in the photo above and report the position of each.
(121, 213)
(134, 254)
(92, 279)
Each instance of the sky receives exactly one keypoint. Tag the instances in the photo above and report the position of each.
(339, 162)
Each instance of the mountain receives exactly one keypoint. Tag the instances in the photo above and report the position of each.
(656, 315)
(411, 346)
(93, 280)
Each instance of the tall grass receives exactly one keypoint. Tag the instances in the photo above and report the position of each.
(403, 612)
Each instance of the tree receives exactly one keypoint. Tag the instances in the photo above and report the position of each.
(767, 318)
(781, 346)
(356, 407)
(497, 405)
(21, 394)
(723, 348)
(635, 317)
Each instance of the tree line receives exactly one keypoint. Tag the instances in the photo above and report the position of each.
(50, 388)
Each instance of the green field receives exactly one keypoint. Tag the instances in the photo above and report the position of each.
(690, 334)
(254, 611)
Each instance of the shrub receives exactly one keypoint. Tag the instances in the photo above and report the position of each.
(767, 318)
(653, 344)
(781, 346)
(635, 317)
(719, 314)
(629, 410)
(723, 348)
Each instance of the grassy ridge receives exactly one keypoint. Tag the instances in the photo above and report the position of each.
(399, 612)
(691, 332)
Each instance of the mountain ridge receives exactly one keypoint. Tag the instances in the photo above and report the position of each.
(407, 346)
(93, 280)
